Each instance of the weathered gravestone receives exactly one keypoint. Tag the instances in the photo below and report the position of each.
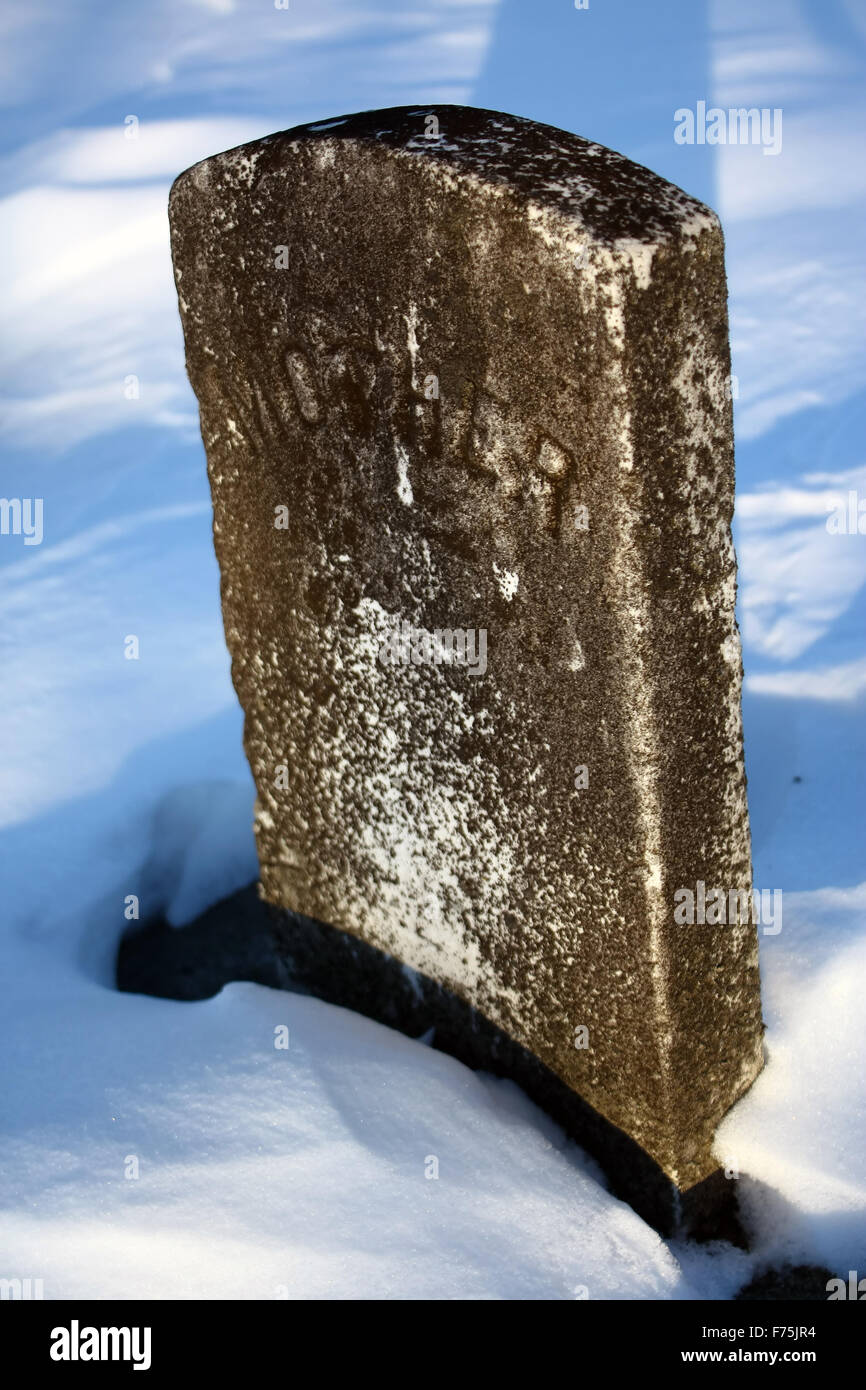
(462, 381)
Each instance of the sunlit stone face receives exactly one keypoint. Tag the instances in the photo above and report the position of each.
(463, 387)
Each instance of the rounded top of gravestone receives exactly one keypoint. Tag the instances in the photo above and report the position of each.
(610, 196)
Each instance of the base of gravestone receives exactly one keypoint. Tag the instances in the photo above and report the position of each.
(232, 940)
(342, 969)
(243, 938)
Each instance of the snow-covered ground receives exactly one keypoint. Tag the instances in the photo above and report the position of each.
(262, 1171)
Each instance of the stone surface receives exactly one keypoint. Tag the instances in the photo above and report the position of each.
(460, 373)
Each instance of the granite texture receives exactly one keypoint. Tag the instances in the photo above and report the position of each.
(477, 382)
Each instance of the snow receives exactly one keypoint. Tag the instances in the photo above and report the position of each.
(800, 1133)
(266, 1172)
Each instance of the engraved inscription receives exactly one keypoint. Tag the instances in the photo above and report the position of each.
(481, 432)
(303, 384)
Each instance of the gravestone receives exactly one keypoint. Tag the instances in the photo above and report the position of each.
(463, 390)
